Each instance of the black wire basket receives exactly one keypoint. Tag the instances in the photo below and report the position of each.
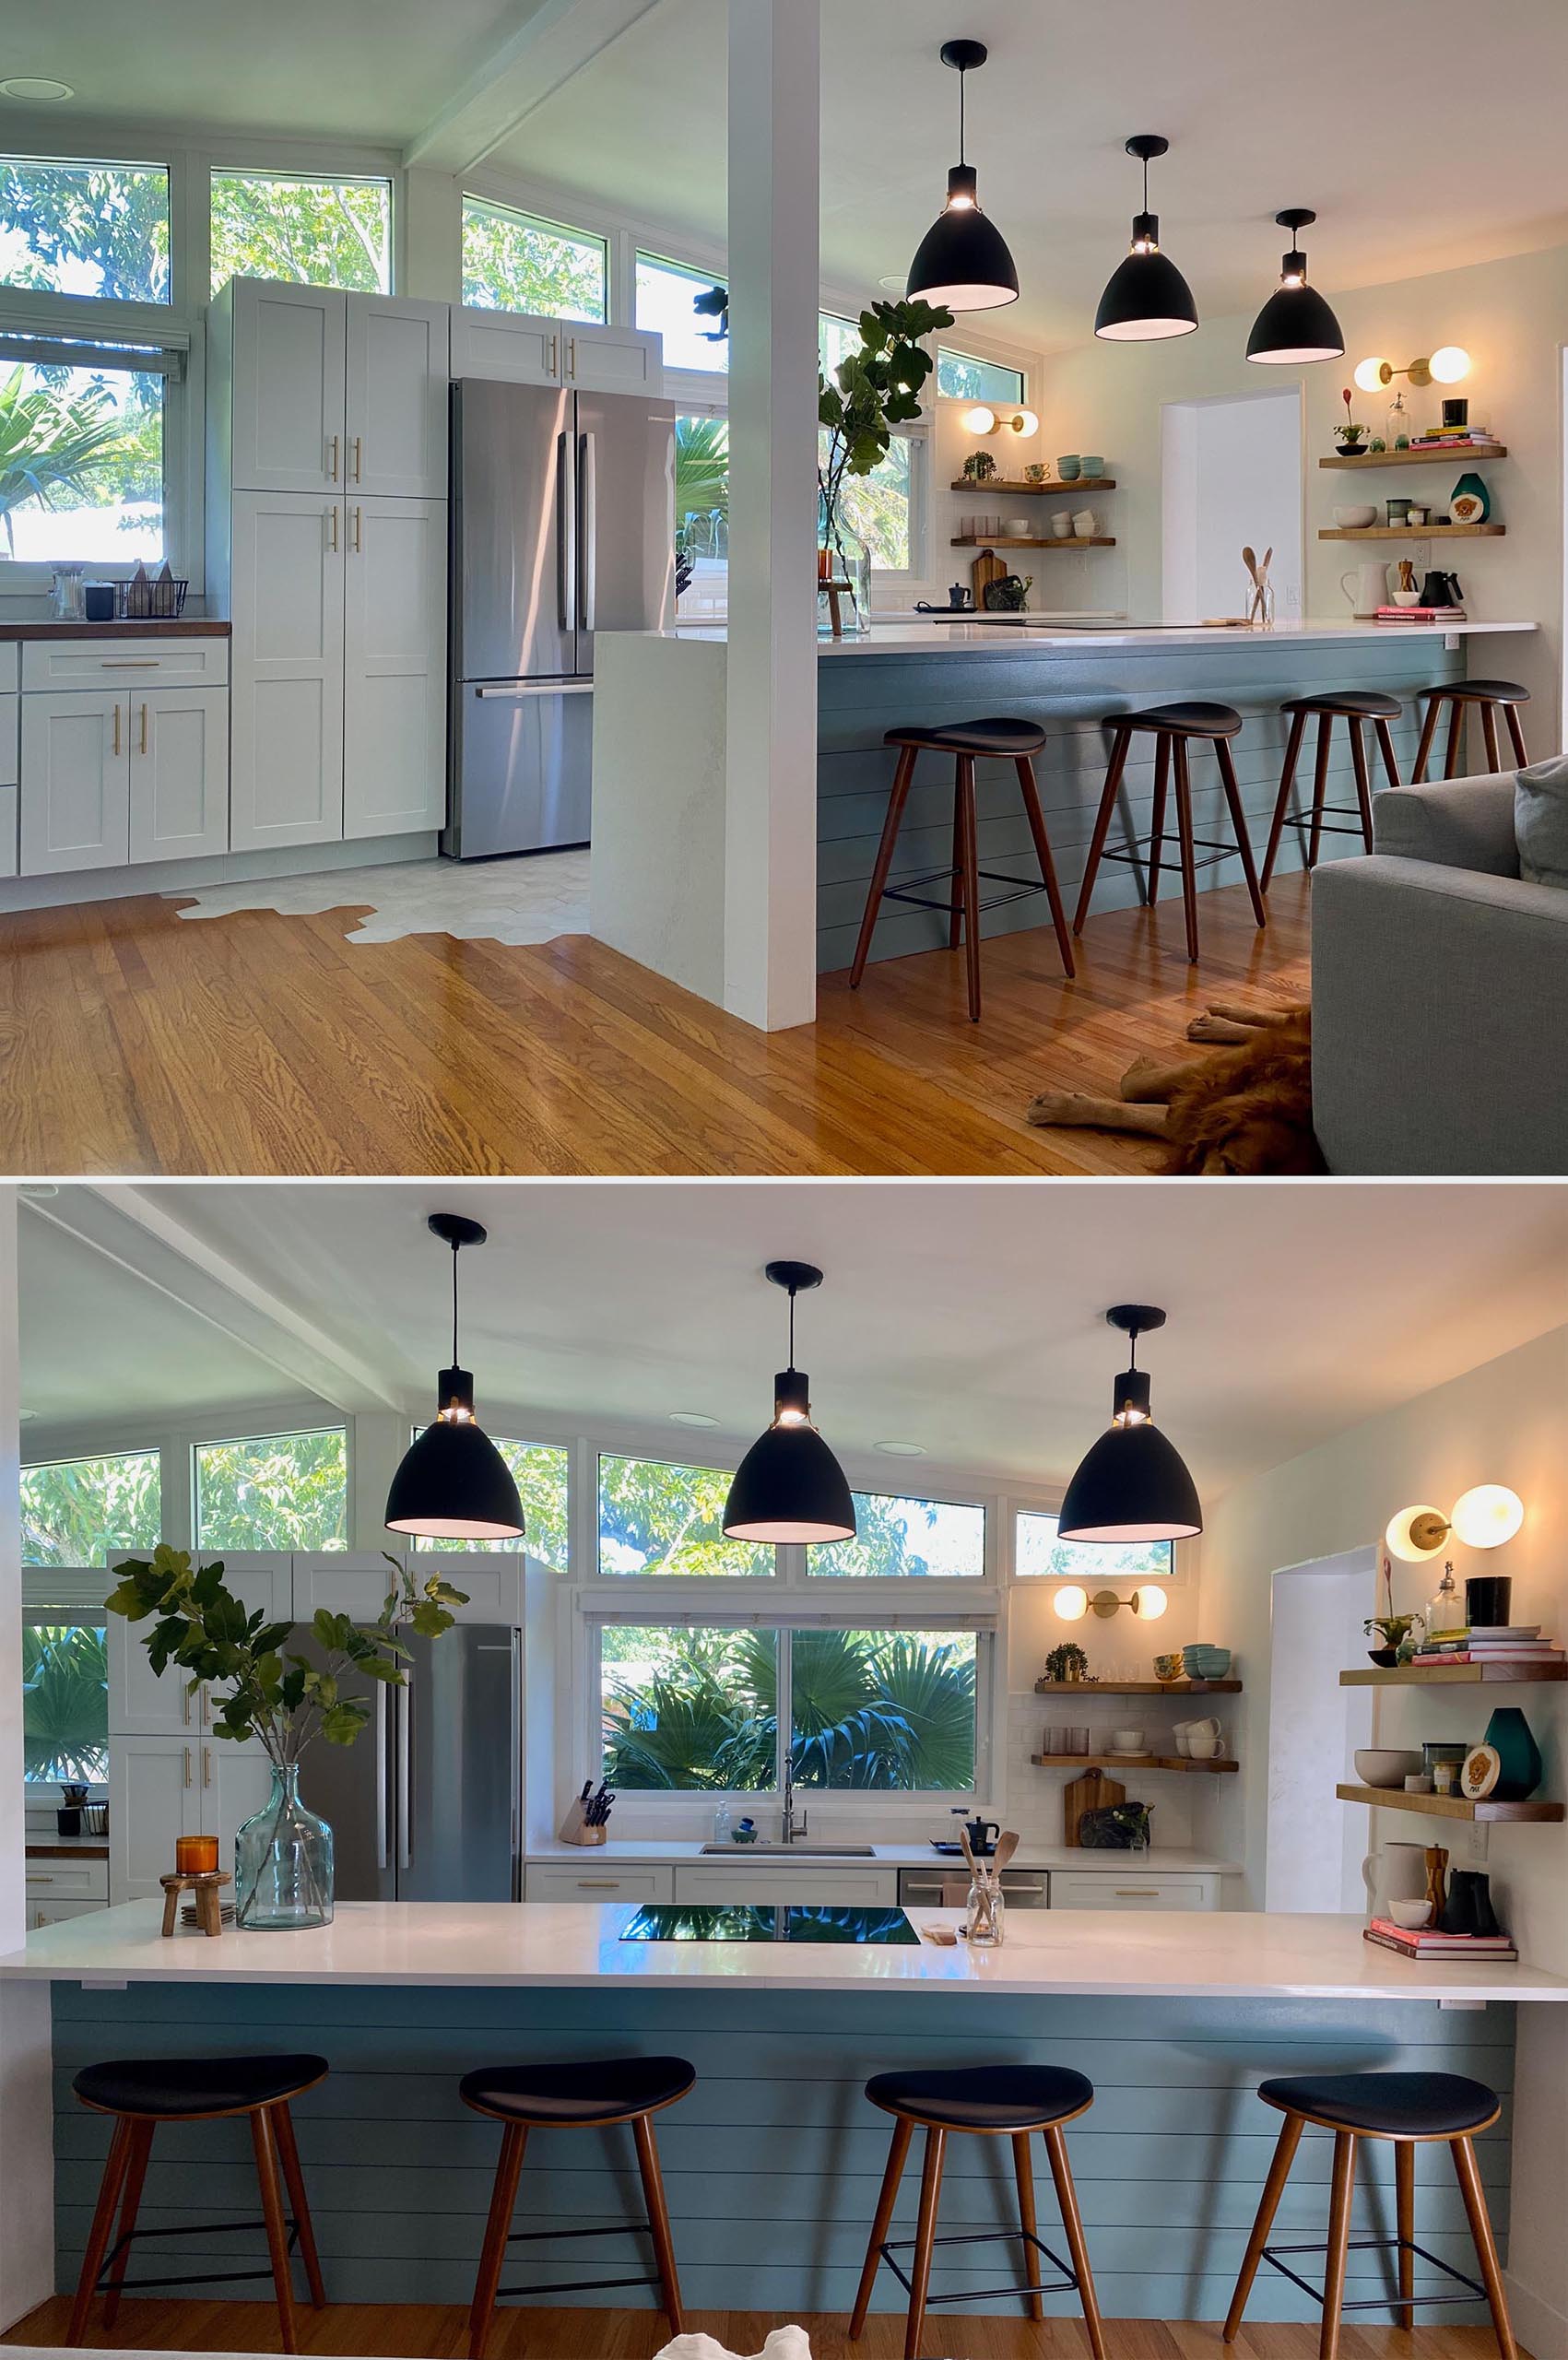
(149, 601)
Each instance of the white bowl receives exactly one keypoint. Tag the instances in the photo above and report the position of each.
(1356, 520)
(1386, 1765)
(1410, 1913)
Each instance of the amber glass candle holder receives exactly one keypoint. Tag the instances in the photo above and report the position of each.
(195, 1856)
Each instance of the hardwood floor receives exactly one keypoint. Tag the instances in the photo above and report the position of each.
(430, 2331)
(135, 1041)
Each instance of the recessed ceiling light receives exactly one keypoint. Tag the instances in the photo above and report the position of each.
(901, 1449)
(691, 1417)
(26, 1417)
(895, 281)
(39, 1189)
(35, 89)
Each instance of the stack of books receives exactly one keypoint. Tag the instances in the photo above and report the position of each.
(1456, 438)
(1509, 1642)
(1427, 1942)
(1420, 615)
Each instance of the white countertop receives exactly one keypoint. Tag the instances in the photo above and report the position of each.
(912, 1855)
(1180, 1954)
(926, 635)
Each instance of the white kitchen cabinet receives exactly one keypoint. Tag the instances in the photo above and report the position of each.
(357, 1583)
(66, 1884)
(44, 1910)
(395, 398)
(286, 374)
(813, 1883)
(565, 1880)
(611, 361)
(286, 784)
(236, 1782)
(179, 742)
(155, 1795)
(10, 761)
(1130, 1887)
(394, 666)
(523, 350)
(75, 781)
(144, 1703)
(196, 660)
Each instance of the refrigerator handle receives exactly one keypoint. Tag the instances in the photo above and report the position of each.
(404, 1782)
(588, 535)
(517, 1765)
(565, 534)
(384, 1854)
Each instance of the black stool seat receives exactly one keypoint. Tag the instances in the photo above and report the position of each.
(171, 2088)
(1189, 720)
(985, 2097)
(611, 2089)
(999, 736)
(1387, 2105)
(1481, 691)
(1363, 704)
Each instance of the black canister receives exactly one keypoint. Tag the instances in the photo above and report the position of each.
(1487, 1598)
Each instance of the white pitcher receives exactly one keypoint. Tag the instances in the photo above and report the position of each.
(1395, 1872)
(1372, 587)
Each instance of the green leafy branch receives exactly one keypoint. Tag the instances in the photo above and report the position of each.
(874, 389)
(281, 1698)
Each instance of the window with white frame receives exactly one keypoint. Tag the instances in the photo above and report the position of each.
(701, 513)
(308, 229)
(1041, 1553)
(541, 1472)
(65, 1696)
(75, 227)
(287, 1491)
(83, 458)
(902, 1538)
(667, 293)
(963, 377)
(74, 1511)
(515, 262)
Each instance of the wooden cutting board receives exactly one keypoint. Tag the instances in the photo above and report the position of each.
(987, 567)
(1094, 1791)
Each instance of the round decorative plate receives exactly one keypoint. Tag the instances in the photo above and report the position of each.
(1480, 1772)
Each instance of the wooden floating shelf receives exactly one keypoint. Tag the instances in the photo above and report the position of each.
(1413, 532)
(1058, 541)
(1451, 1675)
(1129, 1761)
(1137, 1688)
(1080, 483)
(1445, 1806)
(1411, 458)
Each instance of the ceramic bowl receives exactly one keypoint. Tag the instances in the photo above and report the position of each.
(1407, 597)
(1019, 527)
(1410, 1913)
(1068, 468)
(1356, 519)
(1091, 466)
(1128, 1740)
(1384, 1765)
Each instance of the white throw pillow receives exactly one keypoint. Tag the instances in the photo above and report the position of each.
(783, 2343)
(1540, 822)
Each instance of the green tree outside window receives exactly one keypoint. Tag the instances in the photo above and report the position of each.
(1041, 1554)
(309, 232)
(540, 1472)
(76, 1511)
(512, 262)
(85, 229)
(65, 1703)
(272, 1491)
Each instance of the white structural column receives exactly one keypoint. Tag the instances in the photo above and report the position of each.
(26, 2155)
(770, 933)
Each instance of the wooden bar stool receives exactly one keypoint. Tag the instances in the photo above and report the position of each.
(1410, 2110)
(574, 2097)
(1174, 725)
(987, 2102)
(142, 2092)
(1488, 698)
(1352, 706)
(1015, 741)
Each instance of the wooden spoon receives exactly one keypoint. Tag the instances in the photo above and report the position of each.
(1249, 560)
(1006, 1846)
(969, 1856)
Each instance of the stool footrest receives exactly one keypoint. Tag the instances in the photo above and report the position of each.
(1022, 890)
(1171, 861)
(1068, 2286)
(1396, 2302)
(188, 2229)
(578, 2286)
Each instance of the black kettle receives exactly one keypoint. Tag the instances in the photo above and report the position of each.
(1442, 590)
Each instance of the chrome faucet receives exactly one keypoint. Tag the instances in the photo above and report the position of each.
(789, 1831)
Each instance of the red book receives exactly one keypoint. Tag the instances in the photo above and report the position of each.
(1432, 1937)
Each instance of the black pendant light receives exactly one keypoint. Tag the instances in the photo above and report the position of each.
(963, 260)
(1132, 1484)
(1147, 297)
(1295, 325)
(452, 1483)
(789, 1487)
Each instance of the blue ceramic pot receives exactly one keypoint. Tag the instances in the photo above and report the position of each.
(1510, 1732)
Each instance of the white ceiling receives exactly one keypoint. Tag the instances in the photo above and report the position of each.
(965, 1316)
(1424, 136)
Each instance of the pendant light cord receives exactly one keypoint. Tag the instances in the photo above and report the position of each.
(792, 1290)
(454, 1253)
(963, 159)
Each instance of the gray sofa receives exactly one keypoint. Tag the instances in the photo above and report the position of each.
(1440, 993)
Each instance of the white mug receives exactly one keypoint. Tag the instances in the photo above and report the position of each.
(1086, 525)
(1203, 1748)
(1128, 1740)
(1061, 524)
(1203, 1728)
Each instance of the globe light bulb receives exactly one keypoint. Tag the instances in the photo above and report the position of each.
(1149, 1600)
(1416, 1533)
(1369, 374)
(1026, 422)
(1448, 364)
(1072, 1602)
(1488, 1516)
(980, 421)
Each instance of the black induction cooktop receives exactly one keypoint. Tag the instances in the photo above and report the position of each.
(783, 1922)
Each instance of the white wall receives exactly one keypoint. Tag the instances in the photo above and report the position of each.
(1511, 316)
(1232, 477)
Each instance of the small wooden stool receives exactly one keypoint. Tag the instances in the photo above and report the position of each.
(988, 2102)
(142, 2092)
(1352, 706)
(1488, 698)
(207, 1884)
(581, 2097)
(1410, 2108)
(1174, 726)
(1015, 741)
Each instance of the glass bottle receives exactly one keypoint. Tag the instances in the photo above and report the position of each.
(1444, 1611)
(283, 1871)
(722, 1821)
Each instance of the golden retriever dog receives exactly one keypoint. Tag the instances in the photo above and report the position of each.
(1246, 1109)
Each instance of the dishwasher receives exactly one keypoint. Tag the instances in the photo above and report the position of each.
(943, 1888)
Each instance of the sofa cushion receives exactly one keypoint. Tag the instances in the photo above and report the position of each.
(1454, 822)
(1540, 822)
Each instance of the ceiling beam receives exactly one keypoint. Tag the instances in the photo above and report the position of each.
(142, 1230)
(553, 41)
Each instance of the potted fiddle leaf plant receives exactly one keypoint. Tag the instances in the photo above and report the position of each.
(268, 1690)
(875, 389)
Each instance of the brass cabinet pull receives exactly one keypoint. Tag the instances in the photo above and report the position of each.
(358, 531)
(332, 471)
(33, 1878)
(332, 512)
(187, 1766)
(116, 747)
(599, 1884)
(185, 1704)
(571, 355)
(357, 454)
(1137, 1892)
(555, 353)
(129, 663)
(144, 725)
(207, 1765)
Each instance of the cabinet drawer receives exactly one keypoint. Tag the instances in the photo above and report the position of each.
(813, 1885)
(50, 1880)
(519, 349)
(10, 667)
(42, 1911)
(1128, 1889)
(125, 663)
(564, 1881)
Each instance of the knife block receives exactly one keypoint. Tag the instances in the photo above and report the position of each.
(574, 1828)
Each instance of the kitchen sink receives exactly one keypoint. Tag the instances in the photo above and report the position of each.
(793, 1851)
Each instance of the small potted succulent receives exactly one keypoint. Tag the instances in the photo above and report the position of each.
(1350, 435)
(1066, 1662)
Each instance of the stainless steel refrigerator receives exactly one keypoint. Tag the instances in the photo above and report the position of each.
(426, 1804)
(562, 520)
